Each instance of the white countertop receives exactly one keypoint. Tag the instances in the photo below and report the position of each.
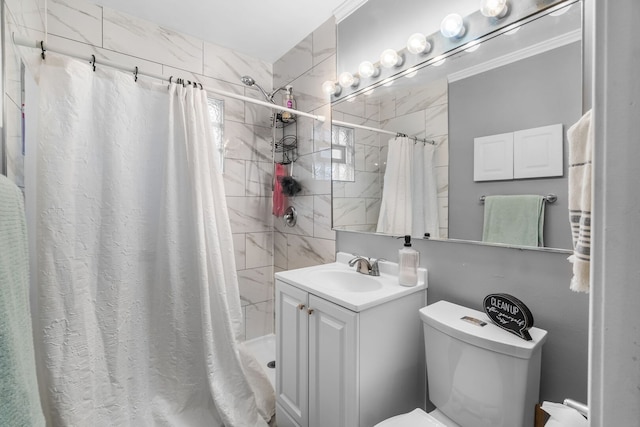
(383, 288)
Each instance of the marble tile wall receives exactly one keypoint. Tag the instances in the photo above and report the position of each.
(85, 28)
(423, 114)
(306, 66)
(357, 204)
(17, 14)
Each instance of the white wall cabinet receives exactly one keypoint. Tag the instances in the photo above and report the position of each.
(340, 368)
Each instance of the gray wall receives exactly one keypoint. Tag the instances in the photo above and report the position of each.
(541, 90)
(464, 273)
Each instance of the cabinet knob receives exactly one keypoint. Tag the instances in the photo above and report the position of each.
(310, 311)
(301, 306)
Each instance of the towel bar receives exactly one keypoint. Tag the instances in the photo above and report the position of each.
(580, 407)
(549, 198)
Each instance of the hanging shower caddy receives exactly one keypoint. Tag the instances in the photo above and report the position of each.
(286, 148)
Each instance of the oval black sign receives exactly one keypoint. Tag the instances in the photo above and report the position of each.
(509, 313)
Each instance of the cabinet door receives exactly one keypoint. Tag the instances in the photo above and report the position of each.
(292, 321)
(333, 399)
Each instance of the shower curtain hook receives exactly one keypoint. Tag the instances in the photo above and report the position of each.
(43, 49)
(135, 75)
(201, 88)
(93, 62)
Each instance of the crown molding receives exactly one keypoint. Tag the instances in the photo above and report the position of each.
(556, 42)
(347, 8)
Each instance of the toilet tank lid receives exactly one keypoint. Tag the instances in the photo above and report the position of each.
(448, 318)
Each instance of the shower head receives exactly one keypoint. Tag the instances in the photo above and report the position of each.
(250, 81)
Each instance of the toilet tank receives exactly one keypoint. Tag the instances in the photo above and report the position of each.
(480, 375)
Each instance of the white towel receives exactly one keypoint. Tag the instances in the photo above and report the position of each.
(580, 137)
(19, 398)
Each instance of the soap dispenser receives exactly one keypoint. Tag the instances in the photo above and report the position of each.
(408, 262)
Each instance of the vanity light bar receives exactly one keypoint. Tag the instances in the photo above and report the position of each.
(448, 40)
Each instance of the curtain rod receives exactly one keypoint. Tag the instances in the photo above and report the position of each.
(388, 132)
(20, 41)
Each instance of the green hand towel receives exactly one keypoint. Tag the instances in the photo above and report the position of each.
(19, 398)
(514, 220)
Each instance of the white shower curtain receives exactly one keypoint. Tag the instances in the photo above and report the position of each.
(138, 293)
(410, 195)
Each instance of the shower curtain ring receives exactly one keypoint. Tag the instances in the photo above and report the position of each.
(43, 49)
(201, 88)
(93, 62)
(135, 75)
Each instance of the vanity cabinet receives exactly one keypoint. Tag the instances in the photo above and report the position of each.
(343, 368)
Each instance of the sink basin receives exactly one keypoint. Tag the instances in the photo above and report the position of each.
(342, 285)
(347, 281)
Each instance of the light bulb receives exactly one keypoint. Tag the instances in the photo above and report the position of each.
(418, 43)
(347, 79)
(366, 69)
(452, 26)
(390, 58)
(330, 88)
(494, 8)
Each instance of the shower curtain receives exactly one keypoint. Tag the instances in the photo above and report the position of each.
(409, 195)
(137, 288)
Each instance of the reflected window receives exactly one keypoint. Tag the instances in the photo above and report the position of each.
(343, 154)
(216, 112)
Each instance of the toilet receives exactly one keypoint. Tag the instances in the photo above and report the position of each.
(479, 375)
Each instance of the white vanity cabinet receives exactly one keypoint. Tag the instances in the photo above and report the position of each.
(340, 367)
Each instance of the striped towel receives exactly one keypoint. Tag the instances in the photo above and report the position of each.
(580, 137)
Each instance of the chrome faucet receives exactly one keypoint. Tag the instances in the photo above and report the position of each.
(364, 266)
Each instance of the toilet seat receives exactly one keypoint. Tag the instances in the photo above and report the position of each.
(415, 418)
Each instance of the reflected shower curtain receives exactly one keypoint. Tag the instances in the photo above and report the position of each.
(138, 295)
(410, 195)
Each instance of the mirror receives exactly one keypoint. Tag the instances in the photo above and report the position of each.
(511, 82)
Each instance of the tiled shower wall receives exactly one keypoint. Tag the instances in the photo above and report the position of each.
(357, 203)
(422, 113)
(305, 67)
(86, 28)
